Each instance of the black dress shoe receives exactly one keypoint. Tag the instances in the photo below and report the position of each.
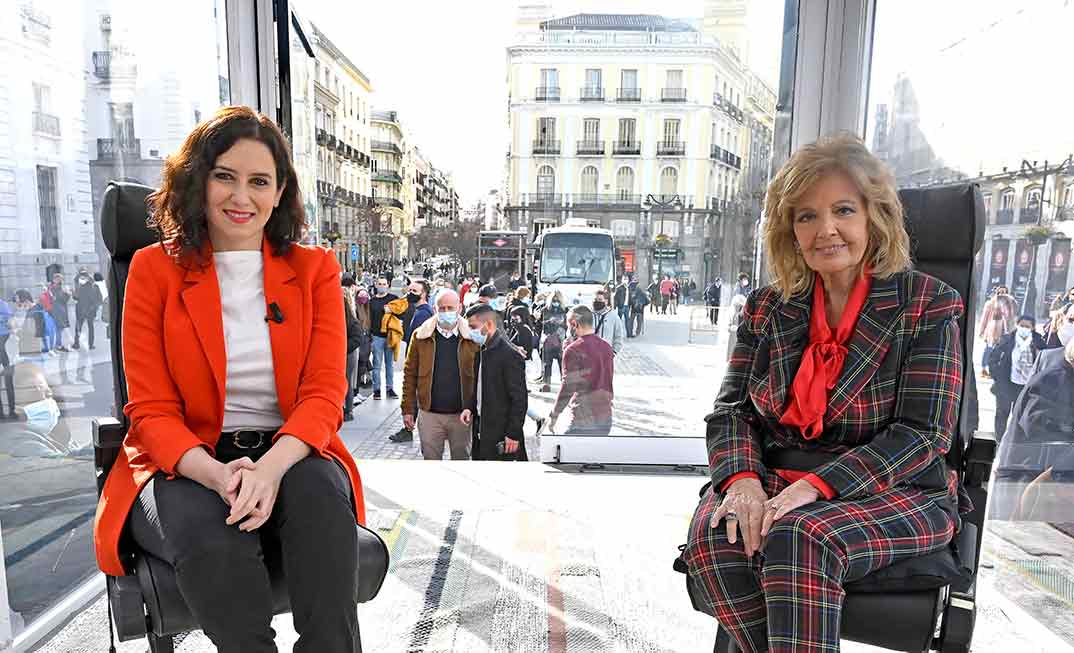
(348, 417)
(392, 395)
(376, 394)
(402, 435)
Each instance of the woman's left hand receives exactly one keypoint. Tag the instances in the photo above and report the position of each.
(257, 490)
(795, 495)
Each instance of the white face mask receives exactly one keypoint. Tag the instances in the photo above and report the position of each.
(1023, 332)
(1065, 332)
(42, 416)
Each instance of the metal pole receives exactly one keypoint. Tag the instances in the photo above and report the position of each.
(1029, 302)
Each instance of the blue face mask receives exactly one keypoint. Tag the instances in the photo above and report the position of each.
(42, 416)
(478, 337)
(447, 319)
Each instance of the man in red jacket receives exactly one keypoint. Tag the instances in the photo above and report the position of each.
(588, 365)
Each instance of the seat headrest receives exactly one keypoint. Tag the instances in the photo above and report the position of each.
(946, 223)
(123, 219)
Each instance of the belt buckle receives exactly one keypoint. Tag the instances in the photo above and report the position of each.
(239, 444)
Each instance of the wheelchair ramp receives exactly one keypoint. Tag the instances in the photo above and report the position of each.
(528, 558)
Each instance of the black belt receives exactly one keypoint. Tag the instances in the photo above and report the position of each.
(248, 438)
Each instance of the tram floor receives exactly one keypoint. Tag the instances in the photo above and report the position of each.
(525, 557)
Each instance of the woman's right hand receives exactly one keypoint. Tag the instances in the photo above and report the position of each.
(745, 500)
(223, 475)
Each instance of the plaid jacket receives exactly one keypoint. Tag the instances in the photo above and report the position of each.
(893, 411)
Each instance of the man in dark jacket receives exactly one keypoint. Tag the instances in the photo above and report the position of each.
(420, 310)
(1011, 362)
(1037, 450)
(621, 300)
(712, 299)
(639, 299)
(498, 409)
(89, 299)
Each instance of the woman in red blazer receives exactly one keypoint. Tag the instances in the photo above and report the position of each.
(234, 346)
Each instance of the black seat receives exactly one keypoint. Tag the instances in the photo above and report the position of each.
(902, 606)
(147, 602)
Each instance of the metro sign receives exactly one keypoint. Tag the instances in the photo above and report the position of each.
(499, 242)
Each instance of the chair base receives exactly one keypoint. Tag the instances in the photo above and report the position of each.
(161, 643)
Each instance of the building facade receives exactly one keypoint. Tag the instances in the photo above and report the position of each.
(638, 124)
(342, 96)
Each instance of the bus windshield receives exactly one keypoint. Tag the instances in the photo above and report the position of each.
(577, 258)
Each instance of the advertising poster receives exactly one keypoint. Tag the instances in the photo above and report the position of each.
(1058, 269)
(1023, 257)
(997, 270)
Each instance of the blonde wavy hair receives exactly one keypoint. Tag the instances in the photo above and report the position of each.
(888, 251)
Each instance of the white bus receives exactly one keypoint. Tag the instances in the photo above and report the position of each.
(575, 259)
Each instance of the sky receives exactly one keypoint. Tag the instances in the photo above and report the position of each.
(991, 77)
(443, 65)
(988, 73)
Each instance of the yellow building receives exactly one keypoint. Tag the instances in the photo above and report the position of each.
(637, 123)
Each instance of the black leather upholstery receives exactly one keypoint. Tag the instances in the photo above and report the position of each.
(148, 600)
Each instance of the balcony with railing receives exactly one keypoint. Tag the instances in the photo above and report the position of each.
(1004, 216)
(388, 176)
(546, 94)
(543, 146)
(726, 157)
(385, 146)
(720, 101)
(629, 95)
(592, 94)
(388, 201)
(322, 136)
(46, 123)
(107, 65)
(626, 148)
(590, 148)
(114, 148)
(672, 94)
(671, 148)
(385, 116)
(605, 199)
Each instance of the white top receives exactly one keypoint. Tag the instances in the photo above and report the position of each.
(250, 392)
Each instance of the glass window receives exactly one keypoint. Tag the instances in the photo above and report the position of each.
(628, 78)
(674, 79)
(671, 130)
(94, 91)
(591, 130)
(626, 130)
(546, 130)
(546, 181)
(624, 182)
(589, 182)
(669, 183)
(577, 258)
(938, 114)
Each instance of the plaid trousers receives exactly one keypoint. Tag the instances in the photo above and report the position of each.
(788, 598)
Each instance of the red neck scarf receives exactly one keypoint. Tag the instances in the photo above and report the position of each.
(822, 360)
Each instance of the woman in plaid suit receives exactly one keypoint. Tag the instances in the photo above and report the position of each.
(849, 354)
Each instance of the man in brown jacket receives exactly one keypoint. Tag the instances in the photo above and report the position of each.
(438, 380)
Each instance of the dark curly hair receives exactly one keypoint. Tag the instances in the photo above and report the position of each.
(177, 209)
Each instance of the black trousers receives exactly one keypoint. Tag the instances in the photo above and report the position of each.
(221, 571)
(1005, 399)
(87, 318)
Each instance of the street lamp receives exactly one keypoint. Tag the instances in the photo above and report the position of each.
(651, 202)
(1029, 302)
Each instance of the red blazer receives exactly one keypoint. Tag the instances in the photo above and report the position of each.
(175, 363)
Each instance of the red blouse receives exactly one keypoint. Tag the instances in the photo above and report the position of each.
(822, 363)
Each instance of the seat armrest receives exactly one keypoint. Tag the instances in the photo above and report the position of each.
(108, 433)
(979, 457)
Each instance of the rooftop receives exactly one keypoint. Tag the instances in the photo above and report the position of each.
(619, 22)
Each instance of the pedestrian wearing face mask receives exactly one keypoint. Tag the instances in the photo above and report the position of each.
(438, 381)
(1011, 362)
(609, 327)
(1062, 300)
(497, 410)
(383, 356)
(88, 299)
(38, 432)
(553, 335)
(588, 367)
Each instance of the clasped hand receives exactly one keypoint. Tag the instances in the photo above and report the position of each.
(250, 490)
(746, 508)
